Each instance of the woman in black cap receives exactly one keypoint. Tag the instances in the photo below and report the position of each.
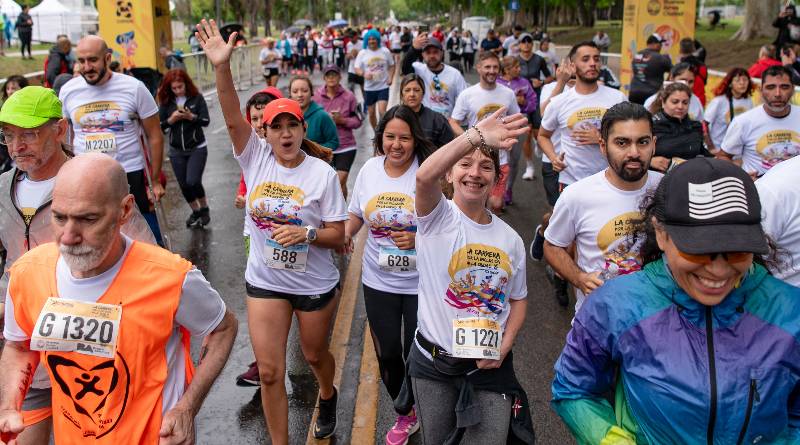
(701, 345)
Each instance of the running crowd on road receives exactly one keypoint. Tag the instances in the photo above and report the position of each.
(672, 216)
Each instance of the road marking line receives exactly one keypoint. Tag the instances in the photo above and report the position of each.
(219, 130)
(364, 419)
(344, 320)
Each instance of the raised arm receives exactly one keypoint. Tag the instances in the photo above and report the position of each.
(497, 133)
(219, 53)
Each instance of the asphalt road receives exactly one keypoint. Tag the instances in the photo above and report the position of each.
(233, 415)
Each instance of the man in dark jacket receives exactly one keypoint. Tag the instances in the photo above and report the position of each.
(24, 28)
(59, 60)
(649, 67)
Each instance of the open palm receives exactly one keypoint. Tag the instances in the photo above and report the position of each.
(215, 48)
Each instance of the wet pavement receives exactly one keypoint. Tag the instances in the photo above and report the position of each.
(233, 414)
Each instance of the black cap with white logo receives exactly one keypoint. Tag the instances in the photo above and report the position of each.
(712, 206)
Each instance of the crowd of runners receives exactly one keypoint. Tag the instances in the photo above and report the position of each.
(675, 222)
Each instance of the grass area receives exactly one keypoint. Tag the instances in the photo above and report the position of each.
(722, 53)
(15, 65)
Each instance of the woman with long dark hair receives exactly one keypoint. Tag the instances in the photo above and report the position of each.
(296, 216)
(383, 197)
(434, 126)
(733, 96)
(183, 113)
(700, 345)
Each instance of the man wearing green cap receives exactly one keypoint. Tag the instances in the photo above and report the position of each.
(33, 128)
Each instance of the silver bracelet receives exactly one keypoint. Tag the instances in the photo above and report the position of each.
(483, 141)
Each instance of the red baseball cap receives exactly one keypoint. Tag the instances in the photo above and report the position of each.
(280, 106)
(272, 91)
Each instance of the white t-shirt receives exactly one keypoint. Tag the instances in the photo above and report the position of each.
(30, 195)
(109, 115)
(450, 85)
(276, 61)
(394, 39)
(476, 103)
(762, 140)
(351, 65)
(200, 311)
(695, 107)
(597, 216)
(466, 269)
(376, 63)
(510, 44)
(308, 194)
(386, 205)
(780, 214)
(555, 138)
(718, 115)
(570, 110)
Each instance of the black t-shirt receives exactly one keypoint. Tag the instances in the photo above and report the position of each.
(488, 45)
(534, 68)
(649, 68)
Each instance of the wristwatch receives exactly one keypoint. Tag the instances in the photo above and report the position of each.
(311, 234)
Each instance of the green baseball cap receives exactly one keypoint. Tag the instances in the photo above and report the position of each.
(31, 107)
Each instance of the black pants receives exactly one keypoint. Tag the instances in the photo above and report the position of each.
(138, 188)
(309, 64)
(25, 38)
(188, 167)
(469, 61)
(389, 315)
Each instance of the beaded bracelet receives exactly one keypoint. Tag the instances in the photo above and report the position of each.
(483, 141)
(466, 133)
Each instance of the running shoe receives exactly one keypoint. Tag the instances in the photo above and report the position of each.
(326, 417)
(561, 292)
(402, 430)
(205, 216)
(249, 377)
(530, 173)
(193, 218)
(536, 249)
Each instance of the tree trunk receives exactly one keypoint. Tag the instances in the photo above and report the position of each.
(758, 17)
(267, 17)
(252, 12)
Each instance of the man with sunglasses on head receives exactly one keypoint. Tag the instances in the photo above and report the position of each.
(443, 83)
(108, 112)
(599, 228)
(33, 129)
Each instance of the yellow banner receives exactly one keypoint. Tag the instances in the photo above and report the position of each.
(670, 19)
(135, 30)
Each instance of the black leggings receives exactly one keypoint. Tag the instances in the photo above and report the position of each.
(25, 38)
(188, 167)
(469, 60)
(389, 315)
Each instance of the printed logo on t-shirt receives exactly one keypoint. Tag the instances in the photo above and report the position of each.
(620, 256)
(479, 275)
(274, 204)
(440, 100)
(776, 146)
(586, 118)
(100, 116)
(376, 66)
(736, 111)
(487, 110)
(390, 212)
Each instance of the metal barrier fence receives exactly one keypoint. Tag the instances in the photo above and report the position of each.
(245, 67)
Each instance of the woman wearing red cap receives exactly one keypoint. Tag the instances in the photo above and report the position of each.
(296, 215)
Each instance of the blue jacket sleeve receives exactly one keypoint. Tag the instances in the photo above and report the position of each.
(584, 374)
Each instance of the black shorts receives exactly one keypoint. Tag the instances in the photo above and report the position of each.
(303, 303)
(286, 59)
(271, 72)
(355, 78)
(373, 97)
(396, 51)
(552, 189)
(535, 119)
(138, 188)
(342, 162)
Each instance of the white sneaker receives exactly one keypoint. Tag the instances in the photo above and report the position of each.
(529, 174)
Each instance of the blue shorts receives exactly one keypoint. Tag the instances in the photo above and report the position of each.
(372, 97)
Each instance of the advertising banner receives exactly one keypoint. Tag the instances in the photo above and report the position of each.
(135, 30)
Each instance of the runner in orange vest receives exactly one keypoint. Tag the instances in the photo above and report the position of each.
(111, 319)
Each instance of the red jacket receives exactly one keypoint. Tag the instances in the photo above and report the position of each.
(760, 66)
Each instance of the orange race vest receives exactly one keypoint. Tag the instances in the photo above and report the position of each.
(110, 401)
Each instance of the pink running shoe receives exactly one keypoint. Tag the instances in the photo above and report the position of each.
(402, 429)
